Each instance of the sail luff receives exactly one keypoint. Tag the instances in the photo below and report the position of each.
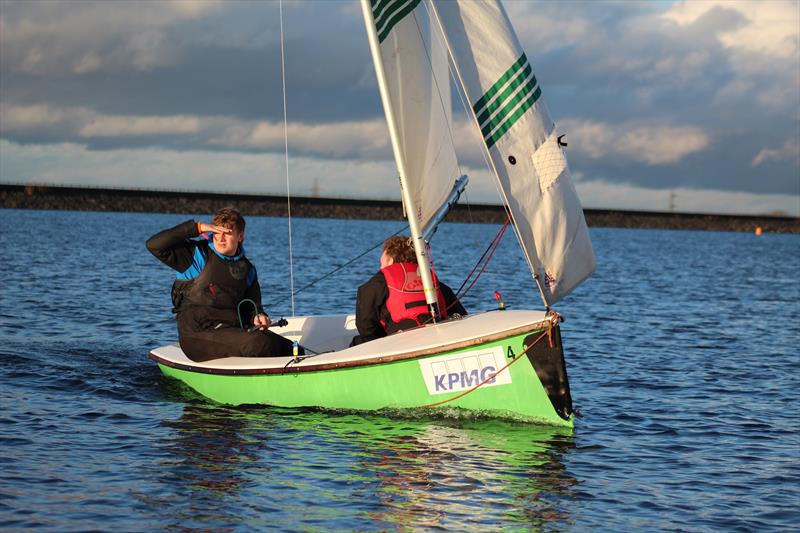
(411, 215)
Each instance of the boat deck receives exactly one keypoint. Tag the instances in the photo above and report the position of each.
(331, 334)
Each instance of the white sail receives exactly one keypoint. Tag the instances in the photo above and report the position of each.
(415, 64)
(522, 143)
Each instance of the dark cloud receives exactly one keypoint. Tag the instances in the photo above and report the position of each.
(239, 76)
(609, 63)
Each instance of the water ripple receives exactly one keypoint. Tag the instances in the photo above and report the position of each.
(684, 376)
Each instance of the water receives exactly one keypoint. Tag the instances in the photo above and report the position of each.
(681, 350)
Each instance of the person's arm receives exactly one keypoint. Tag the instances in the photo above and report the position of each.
(453, 304)
(369, 300)
(173, 247)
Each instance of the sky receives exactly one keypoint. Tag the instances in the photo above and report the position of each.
(686, 106)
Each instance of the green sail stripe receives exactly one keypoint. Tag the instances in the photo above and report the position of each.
(392, 16)
(513, 118)
(483, 100)
(378, 6)
(508, 108)
(384, 10)
(506, 94)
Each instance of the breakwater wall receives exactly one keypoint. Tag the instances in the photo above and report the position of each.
(134, 200)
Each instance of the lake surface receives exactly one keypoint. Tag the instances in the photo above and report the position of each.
(682, 352)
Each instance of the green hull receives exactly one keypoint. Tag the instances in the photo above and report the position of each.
(398, 385)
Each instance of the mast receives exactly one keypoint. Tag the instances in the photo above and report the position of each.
(416, 237)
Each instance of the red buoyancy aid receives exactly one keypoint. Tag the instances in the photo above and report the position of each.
(406, 299)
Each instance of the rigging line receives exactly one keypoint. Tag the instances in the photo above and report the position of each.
(286, 147)
(493, 167)
(485, 264)
(492, 246)
(469, 206)
(337, 269)
(495, 243)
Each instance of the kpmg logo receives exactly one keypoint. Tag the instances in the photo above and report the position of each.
(458, 372)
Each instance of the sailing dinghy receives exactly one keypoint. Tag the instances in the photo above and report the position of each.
(498, 363)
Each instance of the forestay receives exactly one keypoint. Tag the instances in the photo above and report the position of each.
(522, 142)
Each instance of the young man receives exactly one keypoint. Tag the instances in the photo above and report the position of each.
(393, 299)
(214, 281)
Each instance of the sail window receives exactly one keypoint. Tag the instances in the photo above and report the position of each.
(549, 162)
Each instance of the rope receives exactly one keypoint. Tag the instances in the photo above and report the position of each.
(286, 146)
(493, 247)
(495, 242)
(337, 269)
(239, 310)
(548, 333)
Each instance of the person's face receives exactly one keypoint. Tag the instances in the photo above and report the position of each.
(228, 243)
(386, 260)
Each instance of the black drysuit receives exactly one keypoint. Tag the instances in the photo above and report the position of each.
(209, 289)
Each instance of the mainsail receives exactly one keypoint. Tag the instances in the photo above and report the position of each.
(415, 64)
(506, 99)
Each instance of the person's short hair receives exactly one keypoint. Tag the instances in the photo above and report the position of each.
(229, 217)
(399, 248)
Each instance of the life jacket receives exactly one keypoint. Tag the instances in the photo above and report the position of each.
(406, 301)
(215, 283)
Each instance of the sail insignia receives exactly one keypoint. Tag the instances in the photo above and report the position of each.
(506, 101)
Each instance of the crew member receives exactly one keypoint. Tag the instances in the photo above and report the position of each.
(393, 299)
(216, 296)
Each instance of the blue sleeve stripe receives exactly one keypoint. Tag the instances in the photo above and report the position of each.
(198, 262)
(251, 276)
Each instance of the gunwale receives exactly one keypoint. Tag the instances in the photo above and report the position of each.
(172, 356)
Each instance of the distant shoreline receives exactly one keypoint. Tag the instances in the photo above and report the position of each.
(58, 197)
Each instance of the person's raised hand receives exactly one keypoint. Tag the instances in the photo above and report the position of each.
(205, 228)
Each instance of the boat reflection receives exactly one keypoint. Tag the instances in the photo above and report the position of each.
(303, 469)
(474, 474)
(215, 451)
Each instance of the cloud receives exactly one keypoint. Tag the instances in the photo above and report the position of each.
(769, 27)
(198, 170)
(665, 95)
(652, 145)
(346, 140)
(120, 126)
(335, 140)
(790, 151)
(77, 37)
(163, 169)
